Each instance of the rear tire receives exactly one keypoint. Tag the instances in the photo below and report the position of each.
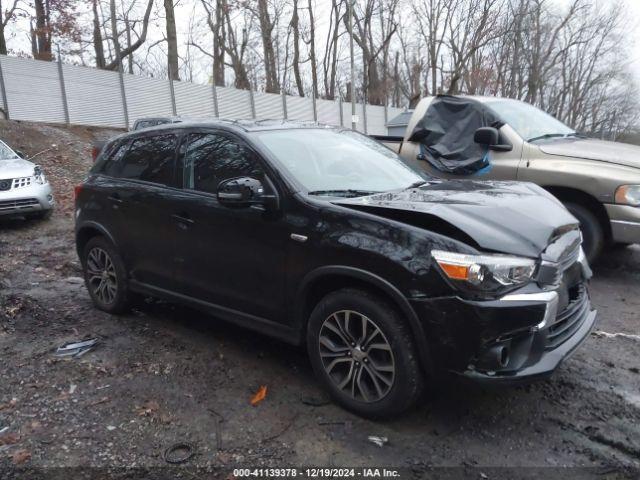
(592, 232)
(105, 276)
(363, 352)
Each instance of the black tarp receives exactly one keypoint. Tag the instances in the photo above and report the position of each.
(446, 134)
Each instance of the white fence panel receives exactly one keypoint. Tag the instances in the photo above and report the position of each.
(234, 103)
(93, 96)
(375, 120)
(33, 90)
(147, 97)
(346, 112)
(328, 112)
(299, 108)
(33, 93)
(268, 105)
(193, 100)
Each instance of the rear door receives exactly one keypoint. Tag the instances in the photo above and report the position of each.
(144, 183)
(231, 257)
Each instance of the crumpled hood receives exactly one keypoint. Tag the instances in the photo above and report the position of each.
(16, 168)
(601, 150)
(507, 217)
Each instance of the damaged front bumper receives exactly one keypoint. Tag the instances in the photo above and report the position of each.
(519, 337)
(526, 356)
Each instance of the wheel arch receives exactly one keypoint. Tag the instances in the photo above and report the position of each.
(324, 280)
(87, 231)
(568, 194)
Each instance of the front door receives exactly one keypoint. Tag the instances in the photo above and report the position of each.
(231, 257)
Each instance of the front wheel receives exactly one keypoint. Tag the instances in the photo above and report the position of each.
(592, 232)
(364, 354)
(105, 276)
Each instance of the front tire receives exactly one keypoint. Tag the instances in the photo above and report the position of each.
(592, 232)
(105, 276)
(364, 354)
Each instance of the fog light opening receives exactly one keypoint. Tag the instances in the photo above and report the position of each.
(504, 357)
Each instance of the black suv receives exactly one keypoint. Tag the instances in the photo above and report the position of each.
(323, 236)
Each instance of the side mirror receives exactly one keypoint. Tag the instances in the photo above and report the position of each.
(242, 192)
(20, 154)
(486, 136)
(490, 137)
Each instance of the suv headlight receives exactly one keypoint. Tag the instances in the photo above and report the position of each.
(628, 195)
(38, 175)
(485, 274)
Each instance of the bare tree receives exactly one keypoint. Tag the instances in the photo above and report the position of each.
(120, 53)
(172, 41)
(7, 16)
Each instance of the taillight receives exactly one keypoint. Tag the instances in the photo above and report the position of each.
(95, 151)
(76, 191)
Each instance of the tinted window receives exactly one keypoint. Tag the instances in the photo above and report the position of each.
(150, 159)
(111, 165)
(212, 158)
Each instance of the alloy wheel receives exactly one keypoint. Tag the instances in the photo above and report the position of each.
(356, 356)
(102, 277)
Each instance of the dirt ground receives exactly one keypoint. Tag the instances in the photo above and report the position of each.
(164, 374)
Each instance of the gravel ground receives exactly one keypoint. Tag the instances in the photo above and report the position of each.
(164, 374)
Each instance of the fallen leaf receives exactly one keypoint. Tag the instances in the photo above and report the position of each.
(21, 456)
(148, 408)
(9, 439)
(259, 395)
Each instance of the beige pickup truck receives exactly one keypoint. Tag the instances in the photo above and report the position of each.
(504, 139)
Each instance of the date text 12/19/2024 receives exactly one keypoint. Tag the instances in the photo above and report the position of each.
(364, 472)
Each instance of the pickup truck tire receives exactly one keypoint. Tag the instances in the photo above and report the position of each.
(101, 262)
(363, 352)
(592, 231)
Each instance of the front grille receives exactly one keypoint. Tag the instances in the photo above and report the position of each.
(5, 184)
(25, 203)
(570, 318)
(21, 182)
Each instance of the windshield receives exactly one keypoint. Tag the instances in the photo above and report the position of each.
(530, 122)
(6, 153)
(338, 162)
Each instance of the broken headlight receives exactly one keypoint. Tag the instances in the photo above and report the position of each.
(38, 175)
(485, 274)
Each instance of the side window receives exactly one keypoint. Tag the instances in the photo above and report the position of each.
(150, 159)
(212, 158)
(111, 165)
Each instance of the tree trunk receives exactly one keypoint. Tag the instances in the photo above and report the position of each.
(266, 30)
(172, 41)
(312, 52)
(218, 48)
(295, 26)
(42, 31)
(97, 37)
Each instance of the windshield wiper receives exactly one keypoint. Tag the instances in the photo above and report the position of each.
(417, 184)
(558, 135)
(343, 193)
(546, 135)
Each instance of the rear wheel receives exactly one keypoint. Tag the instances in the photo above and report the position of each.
(364, 354)
(592, 232)
(105, 276)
